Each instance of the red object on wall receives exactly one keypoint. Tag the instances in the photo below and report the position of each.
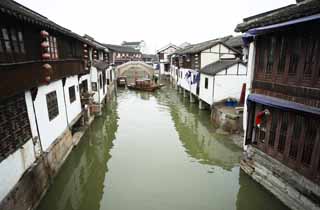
(44, 34)
(44, 44)
(261, 115)
(46, 56)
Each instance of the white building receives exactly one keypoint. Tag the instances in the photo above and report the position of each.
(163, 54)
(221, 80)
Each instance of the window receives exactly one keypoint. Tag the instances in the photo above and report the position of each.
(310, 54)
(270, 59)
(273, 128)
(108, 81)
(11, 41)
(111, 75)
(72, 94)
(52, 105)
(14, 125)
(297, 128)
(309, 142)
(283, 132)
(161, 56)
(100, 81)
(294, 56)
(53, 50)
(282, 57)
(206, 81)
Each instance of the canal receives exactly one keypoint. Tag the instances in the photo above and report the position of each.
(155, 151)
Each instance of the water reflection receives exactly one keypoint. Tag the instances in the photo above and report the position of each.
(79, 184)
(155, 151)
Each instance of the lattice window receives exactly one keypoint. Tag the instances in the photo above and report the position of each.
(294, 55)
(311, 45)
(53, 47)
(273, 127)
(309, 142)
(52, 105)
(283, 53)
(72, 94)
(297, 130)
(283, 132)
(14, 125)
(270, 60)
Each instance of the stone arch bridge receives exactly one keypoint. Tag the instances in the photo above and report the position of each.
(135, 70)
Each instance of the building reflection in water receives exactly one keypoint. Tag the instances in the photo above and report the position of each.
(79, 184)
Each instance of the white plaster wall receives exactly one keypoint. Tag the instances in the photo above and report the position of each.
(50, 130)
(185, 83)
(74, 108)
(209, 56)
(226, 86)
(94, 78)
(249, 79)
(226, 52)
(31, 114)
(86, 77)
(13, 167)
(206, 94)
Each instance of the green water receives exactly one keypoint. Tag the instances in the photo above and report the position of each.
(155, 151)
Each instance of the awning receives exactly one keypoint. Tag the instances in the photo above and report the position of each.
(247, 37)
(283, 104)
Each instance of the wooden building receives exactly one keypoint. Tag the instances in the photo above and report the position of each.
(282, 122)
(44, 71)
(122, 54)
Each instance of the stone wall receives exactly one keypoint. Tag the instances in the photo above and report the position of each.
(290, 187)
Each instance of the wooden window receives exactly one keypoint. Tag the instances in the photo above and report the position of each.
(108, 81)
(282, 56)
(283, 132)
(52, 105)
(294, 55)
(296, 134)
(310, 55)
(6, 40)
(14, 125)
(270, 59)
(100, 81)
(84, 86)
(72, 94)
(53, 48)
(206, 82)
(161, 56)
(309, 142)
(261, 53)
(273, 127)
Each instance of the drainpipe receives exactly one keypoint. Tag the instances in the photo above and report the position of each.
(65, 106)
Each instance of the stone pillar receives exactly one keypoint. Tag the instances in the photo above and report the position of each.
(185, 93)
(192, 98)
(202, 104)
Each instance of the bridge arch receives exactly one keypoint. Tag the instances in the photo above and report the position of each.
(135, 70)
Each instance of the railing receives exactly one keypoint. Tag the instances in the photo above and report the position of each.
(17, 77)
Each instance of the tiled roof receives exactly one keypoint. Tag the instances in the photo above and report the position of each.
(195, 48)
(290, 12)
(218, 66)
(235, 41)
(19, 11)
(119, 48)
(100, 65)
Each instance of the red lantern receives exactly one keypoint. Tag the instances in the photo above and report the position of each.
(46, 56)
(45, 44)
(44, 34)
(85, 56)
(85, 45)
(47, 79)
(85, 51)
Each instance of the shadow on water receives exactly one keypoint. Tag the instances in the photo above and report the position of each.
(155, 151)
(79, 184)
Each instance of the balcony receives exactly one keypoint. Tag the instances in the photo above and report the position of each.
(17, 77)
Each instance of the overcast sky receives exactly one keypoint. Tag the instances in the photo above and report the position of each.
(158, 22)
